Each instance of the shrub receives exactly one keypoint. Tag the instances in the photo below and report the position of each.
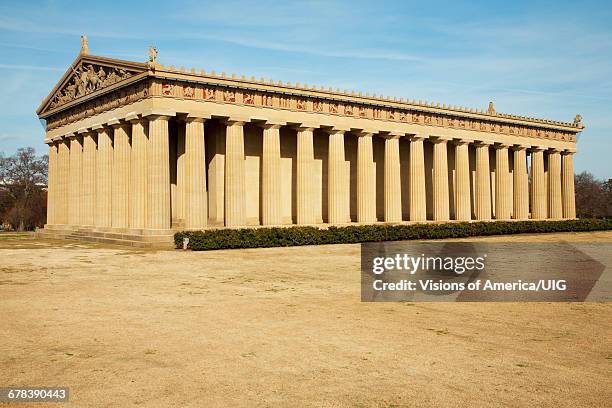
(292, 236)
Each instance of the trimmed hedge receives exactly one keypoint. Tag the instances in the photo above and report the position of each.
(292, 236)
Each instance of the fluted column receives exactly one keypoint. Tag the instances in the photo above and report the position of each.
(538, 186)
(366, 187)
(88, 202)
(483, 182)
(554, 185)
(75, 180)
(235, 188)
(502, 180)
(104, 177)
(196, 209)
(120, 189)
(521, 184)
(181, 159)
(440, 180)
(418, 197)
(63, 158)
(392, 180)
(271, 176)
(463, 211)
(305, 186)
(569, 197)
(336, 179)
(138, 173)
(158, 180)
(51, 184)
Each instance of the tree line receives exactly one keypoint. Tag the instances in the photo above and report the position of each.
(23, 192)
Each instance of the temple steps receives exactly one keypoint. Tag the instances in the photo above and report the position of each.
(163, 241)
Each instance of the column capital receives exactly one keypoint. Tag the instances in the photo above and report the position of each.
(233, 122)
(461, 142)
(520, 147)
(57, 138)
(271, 125)
(132, 116)
(537, 148)
(304, 128)
(114, 122)
(200, 116)
(335, 131)
(568, 152)
(501, 146)
(482, 143)
(267, 123)
(554, 150)
(417, 137)
(195, 119)
(153, 113)
(98, 128)
(440, 139)
(364, 133)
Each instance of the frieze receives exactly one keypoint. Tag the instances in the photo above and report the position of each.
(297, 103)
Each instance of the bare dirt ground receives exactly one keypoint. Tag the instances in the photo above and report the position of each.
(280, 327)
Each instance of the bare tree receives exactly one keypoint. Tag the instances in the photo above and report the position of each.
(592, 196)
(23, 182)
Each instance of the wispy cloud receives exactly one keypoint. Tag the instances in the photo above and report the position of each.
(30, 68)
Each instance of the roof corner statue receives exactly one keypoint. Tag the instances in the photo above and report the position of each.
(578, 121)
(138, 150)
(84, 45)
(152, 57)
(491, 108)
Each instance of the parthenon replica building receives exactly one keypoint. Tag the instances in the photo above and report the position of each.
(138, 151)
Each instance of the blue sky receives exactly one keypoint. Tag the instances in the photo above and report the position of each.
(543, 59)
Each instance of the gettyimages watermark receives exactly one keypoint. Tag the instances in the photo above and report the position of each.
(487, 272)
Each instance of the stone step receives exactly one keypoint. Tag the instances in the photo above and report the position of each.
(123, 242)
(115, 238)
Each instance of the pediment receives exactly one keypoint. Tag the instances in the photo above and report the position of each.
(89, 75)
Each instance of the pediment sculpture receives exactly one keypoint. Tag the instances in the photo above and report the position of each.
(86, 79)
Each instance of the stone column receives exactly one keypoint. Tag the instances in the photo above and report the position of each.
(75, 180)
(463, 209)
(416, 180)
(483, 182)
(336, 179)
(366, 187)
(554, 185)
(569, 198)
(196, 209)
(392, 180)
(63, 158)
(502, 180)
(120, 189)
(521, 184)
(538, 184)
(52, 184)
(181, 187)
(304, 187)
(88, 203)
(138, 173)
(158, 180)
(235, 188)
(271, 176)
(440, 180)
(104, 177)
